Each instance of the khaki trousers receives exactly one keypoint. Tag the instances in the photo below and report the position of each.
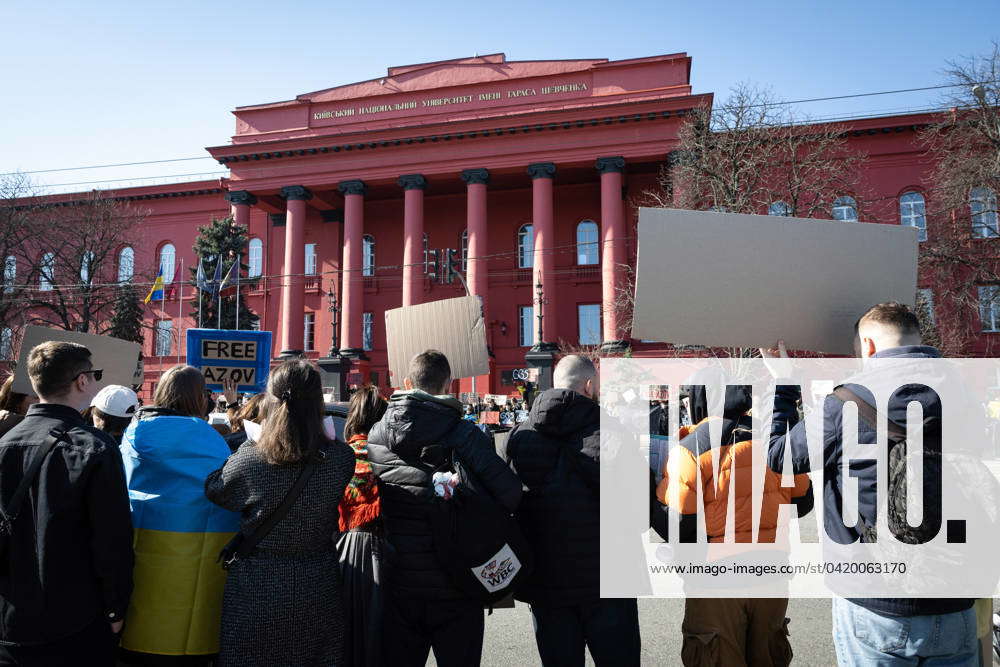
(735, 632)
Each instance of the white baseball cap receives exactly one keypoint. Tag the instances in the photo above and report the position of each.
(116, 400)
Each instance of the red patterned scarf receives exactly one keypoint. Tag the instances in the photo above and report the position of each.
(360, 503)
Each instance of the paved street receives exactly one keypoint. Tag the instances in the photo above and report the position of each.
(510, 639)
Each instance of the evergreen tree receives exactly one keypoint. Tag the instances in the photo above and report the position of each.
(126, 320)
(223, 241)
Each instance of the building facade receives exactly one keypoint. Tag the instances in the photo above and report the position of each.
(528, 171)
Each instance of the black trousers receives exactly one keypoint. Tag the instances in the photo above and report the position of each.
(609, 628)
(94, 645)
(411, 627)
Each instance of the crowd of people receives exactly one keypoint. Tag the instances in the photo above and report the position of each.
(143, 534)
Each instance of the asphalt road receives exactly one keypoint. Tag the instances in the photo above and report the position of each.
(510, 639)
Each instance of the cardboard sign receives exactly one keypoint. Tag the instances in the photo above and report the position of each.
(222, 354)
(455, 327)
(489, 417)
(735, 280)
(120, 360)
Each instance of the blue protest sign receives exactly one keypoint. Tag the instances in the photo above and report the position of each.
(244, 356)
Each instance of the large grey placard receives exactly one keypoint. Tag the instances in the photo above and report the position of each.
(120, 360)
(452, 326)
(736, 280)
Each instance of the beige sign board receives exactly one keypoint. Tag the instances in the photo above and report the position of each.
(455, 327)
(735, 280)
(120, 360)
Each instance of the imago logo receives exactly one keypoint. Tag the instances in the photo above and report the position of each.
(497, 572)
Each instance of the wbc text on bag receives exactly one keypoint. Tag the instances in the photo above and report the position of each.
(243, 356)
(906, 507)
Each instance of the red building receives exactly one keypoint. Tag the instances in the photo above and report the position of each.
(524, 168)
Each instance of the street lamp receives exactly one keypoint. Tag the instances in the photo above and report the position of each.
(334, 318)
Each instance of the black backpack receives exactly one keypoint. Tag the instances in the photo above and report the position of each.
(477, 541)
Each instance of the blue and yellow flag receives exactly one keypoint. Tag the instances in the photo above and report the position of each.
(156, 291)
(176, 605)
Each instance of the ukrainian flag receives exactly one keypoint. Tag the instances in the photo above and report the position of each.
(176, 605)
(156, 291)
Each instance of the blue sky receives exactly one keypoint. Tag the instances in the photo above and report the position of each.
(111, 81)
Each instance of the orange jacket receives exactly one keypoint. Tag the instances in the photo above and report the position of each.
(694, 454)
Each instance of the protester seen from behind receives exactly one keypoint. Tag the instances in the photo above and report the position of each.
(112, 410)
(421, 433)
(360, 542)
(13, 405)
(556, 454)
(283, 600)
(249, 411)
(867, 631)
(68, 558)
(750, 630)
(168, 452)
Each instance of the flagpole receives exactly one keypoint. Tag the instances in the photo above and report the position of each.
(218, 291)
(199, 279)
(237, 293)
(180, 312)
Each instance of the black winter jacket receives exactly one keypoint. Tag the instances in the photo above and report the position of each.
(405, 448)
(70, 558)
(556, 453)
(786, 421)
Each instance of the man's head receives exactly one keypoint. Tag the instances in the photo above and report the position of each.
(577, 373)
(885, 326)
(63, 373)
(429, 371)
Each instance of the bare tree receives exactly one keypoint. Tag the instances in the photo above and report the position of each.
(16, 233)
(961, 209)
(753, 151)
(752, 154)
(73, 268)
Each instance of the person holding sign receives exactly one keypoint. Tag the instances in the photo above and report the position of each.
(283, 602)
(168, 451)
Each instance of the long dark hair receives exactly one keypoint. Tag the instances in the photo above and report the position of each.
(366, 409)
(293, 430)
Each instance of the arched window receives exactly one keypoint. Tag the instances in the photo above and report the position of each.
(86, 267)
(912, 214)
(464, 245)
(167, 255)
(255, 258)
(47, 272)
(9, 273)
(586, 243)
(983, 205)
(845, 208)
(779, 208)
(526, 247)
(368, 256)
(126, 264)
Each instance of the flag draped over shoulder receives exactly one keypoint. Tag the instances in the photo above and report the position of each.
(156, 291)
(176, 606)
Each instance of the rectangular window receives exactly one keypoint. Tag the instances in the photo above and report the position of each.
(47, 272)
(309, 331)
(526, 326)
(367, 337)
(163, 340)
(925, 302)
(589, 321)
(989, 307)
(310, 268)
